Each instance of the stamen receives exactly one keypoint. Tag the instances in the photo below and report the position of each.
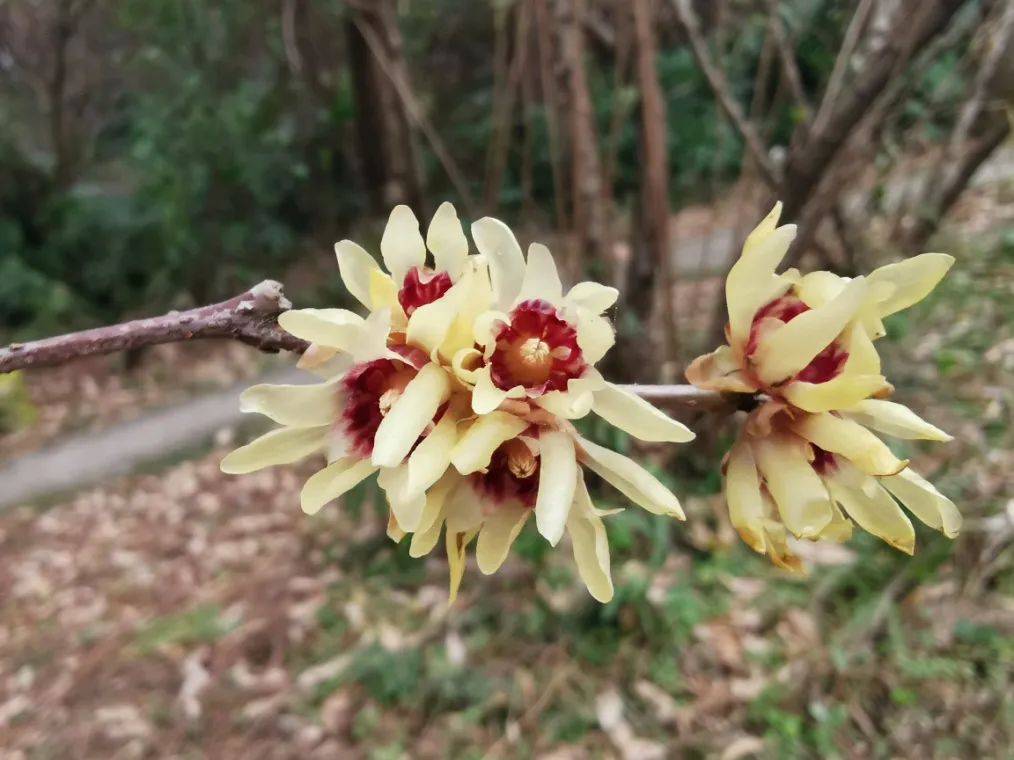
(535, 351)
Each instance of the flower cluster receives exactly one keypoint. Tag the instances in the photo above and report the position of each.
(806, 462)
(459, 389)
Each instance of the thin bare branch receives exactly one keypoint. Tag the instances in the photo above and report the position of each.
(249, 318)
(841, 63)
(787, 54)
(824, 141)
(415, 112)
(719, 84)
(1001, 32)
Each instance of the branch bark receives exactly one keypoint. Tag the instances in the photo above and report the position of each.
(251, 318)
(719, 84)
(825, 139)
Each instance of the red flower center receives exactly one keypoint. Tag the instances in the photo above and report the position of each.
(826, 365)
(422, 286)
(513, 474)
(537, 350)
(370, 390)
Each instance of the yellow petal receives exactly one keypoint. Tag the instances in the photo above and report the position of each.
(410, 415)
(851, 440)
(424, 541)
(575, 402)
(436, 501)
(432, 519)
(497, 535)
(630, 479)
(334, 328)
(406, 508)
(911, 280)
(590, 545)
(595, 335)
(333, 481)
(924, 501)
(486, 396)
(477, 299)
(863, 358)
(324, 361)
(475, 447)
(752, 282)
(456, 544)
(872, 508)
(719, 371)
(293, 405)
(636, 416)
(837, 393)
(429, 324)
(557, 480)
(592, 296)
(799, 493)
(401, 244)
(429, 460)
(497, 243)
(785, 351)
(541, 279)
(384, 293)
(894, 419)
(447, 241)
(744, 498)
(394, 531)
(281, 446)
(463, 512)
(355, 266)
(817, 288)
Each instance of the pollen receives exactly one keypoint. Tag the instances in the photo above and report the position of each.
(535, 351)
(520, 459)
(387, 399)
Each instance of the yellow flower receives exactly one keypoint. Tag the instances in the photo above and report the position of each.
(808, 339)
(807, 453)
(510, 465)
(814, 475)
(458, 389)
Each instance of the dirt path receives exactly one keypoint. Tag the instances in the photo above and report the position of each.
(84, 459)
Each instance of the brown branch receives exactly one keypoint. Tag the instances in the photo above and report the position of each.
(841, 63)
(415, 112)
(249, 318)
(719, 84)
(824, 141)
(787, 54)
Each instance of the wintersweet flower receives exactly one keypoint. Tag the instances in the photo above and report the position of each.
(814, 475)
(808, 339)
(384, 407)
(458, 390)
(805, 342)
(519, 461)
(528, 362)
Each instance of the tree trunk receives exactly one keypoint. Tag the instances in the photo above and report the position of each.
(387, 155)
(650, 269)
(590, 217)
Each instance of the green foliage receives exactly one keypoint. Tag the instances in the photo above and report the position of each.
(199, 625)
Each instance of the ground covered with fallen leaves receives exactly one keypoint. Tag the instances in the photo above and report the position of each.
(184, 613)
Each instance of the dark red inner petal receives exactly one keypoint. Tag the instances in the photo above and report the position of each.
(363, 386)
(826, 365)
(422, 286)
(537, 350)
(823, 461)
(501, 484)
